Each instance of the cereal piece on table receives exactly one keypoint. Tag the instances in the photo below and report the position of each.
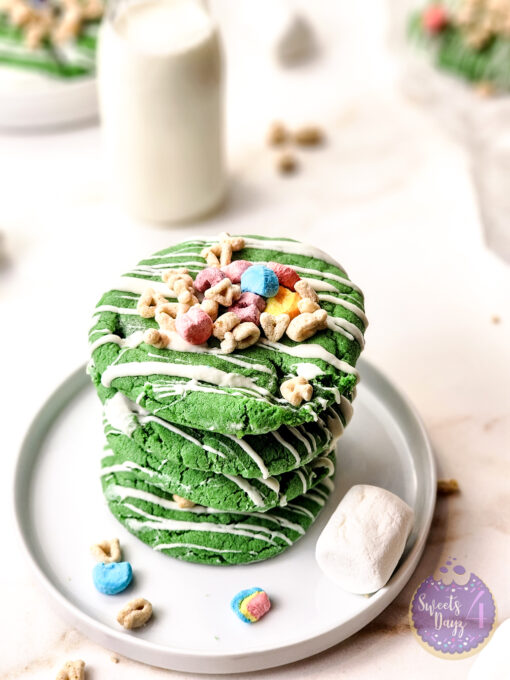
(447, 487)
(295, 390)
(224, 293)
(156, 338)
(305, 290)
(307, 305)
(274, 326)
(309, 135)
(287, 276)
(246, 334)
(260, 280)
(364, 539)
(112, 578)
(236, 269)
(277, 134)
(224, 324)
(210, 307)
(135, 614)
(208, 277)
(183, 502)
(72, 670)
(287, 163)
(306, 325)
(195, 326)
(147, 303)
(107, 551)
(284, 302)
(251, 605)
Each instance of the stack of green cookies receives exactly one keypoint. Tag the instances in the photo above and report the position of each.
(207, 460)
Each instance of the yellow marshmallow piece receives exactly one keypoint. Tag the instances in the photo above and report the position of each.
(284, 302)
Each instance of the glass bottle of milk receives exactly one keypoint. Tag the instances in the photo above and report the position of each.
(160, 75)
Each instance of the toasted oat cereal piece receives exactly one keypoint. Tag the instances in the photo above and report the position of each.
(307, 305)
(147, 303)
(224, 293)
(447, 487)
(296, 390)
(107, 551)
(183, 502)
(287, 163)
(156, 338)
(135, 614)
(309, 135)
(225, 323)
(305, 290)
(306, 325)
(274, 326)
(72, 670)
(246, 334)
(277, 134)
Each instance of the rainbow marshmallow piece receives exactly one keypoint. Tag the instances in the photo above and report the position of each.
(250, 605)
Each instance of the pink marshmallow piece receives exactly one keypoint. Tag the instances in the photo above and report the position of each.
(249, 313)
(236, 269)
(207, 278)
(287, 277)
(247, 299)
(195, 326)
(259, 605)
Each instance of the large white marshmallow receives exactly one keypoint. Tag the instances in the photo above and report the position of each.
(493, 662)
(364, 539)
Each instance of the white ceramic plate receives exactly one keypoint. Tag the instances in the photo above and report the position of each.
(32, 101)
(61, 512)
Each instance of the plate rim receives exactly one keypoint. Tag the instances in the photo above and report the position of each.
(175, 658)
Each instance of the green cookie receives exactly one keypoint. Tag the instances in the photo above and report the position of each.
(223, 492)
(239, 393)
(210, 536)
(129, 425)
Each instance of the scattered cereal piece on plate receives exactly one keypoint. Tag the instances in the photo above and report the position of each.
(107, 551)
(251, 605)
(112, 578)
(135, 614)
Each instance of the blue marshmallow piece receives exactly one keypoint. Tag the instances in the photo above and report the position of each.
(112, 578)
(260, 280)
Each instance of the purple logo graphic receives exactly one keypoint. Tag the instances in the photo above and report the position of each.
(453, 612)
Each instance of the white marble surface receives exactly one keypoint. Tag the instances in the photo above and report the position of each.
(391, 196)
